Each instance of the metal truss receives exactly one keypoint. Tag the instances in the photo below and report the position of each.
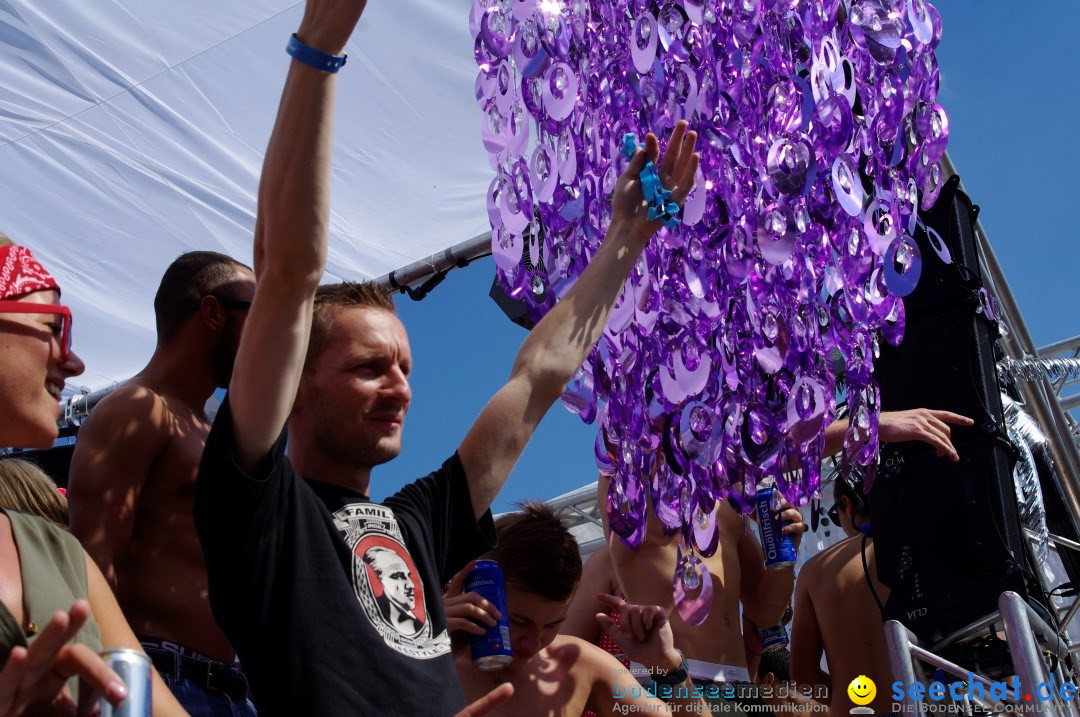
(1039, 659)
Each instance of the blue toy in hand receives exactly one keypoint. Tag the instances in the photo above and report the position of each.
(660, 204)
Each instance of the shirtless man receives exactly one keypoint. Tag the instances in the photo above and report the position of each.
(597, 578)
(133, 478)
(836, 613)
(555, 674)
(715, 650)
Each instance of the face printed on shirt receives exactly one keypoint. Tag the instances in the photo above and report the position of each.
(393, 573)
(387, 582)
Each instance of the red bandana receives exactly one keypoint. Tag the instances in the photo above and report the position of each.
(21, 273)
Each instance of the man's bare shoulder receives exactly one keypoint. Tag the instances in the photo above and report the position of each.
(130, 408)
(831, 558)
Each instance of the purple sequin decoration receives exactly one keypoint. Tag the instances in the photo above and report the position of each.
(820, 137)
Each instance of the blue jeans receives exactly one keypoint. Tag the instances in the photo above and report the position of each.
(205, 689)
(201, 702)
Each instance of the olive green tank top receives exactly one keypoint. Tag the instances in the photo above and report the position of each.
(53, 569)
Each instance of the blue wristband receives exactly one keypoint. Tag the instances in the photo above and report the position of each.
(313, 58)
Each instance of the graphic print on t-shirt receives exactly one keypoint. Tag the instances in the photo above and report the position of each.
(386, 581)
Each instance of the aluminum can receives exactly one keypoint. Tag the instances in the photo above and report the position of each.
(490, 651)
(134, 668)
(773, 638)
(779, 549)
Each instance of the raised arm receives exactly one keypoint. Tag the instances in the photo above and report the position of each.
(917, 424)
(290, 238)
(117, 446)
(558, 345)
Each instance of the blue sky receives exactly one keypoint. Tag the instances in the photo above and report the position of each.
(1009, 87)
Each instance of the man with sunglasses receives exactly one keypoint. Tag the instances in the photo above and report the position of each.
(133, 476)
(838, 601)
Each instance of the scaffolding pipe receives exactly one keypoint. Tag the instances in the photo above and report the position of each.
(1059, 347)
(898, 642)
(457, 256)
(1038, 395)
(1019, 632)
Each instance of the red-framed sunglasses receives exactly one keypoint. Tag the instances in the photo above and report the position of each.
(61, 330)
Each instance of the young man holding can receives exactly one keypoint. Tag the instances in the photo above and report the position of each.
(284, 538)
(562, 674)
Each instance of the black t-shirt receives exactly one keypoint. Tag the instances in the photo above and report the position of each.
(334, 603)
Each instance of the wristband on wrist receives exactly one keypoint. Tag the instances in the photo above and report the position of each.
(314, 58)
(676, 676)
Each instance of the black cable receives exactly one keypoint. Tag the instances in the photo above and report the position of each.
(866, 573)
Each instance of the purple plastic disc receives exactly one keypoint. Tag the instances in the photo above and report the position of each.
(847, 186)
(903, 266)
(922, 23)
(560, 91)
(693, 590)
(644, 40)
(626, 508)
(529, 54)
(938, 245)
(706, 531)
(792, 165)
(497, 32)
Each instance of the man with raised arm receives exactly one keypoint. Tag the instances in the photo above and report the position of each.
(285, 538)
(715, 651)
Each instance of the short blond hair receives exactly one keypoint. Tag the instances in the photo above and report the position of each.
(330, 298)
(5, 240)
(24, 486)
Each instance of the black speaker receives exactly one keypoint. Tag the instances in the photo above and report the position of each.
(947, 535)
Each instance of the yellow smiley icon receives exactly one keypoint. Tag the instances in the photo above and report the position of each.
(862, 690)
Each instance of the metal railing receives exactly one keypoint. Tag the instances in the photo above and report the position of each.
(1029, 638)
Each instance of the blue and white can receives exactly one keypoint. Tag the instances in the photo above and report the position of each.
(492, 650)
(779, 548)
(773, 638)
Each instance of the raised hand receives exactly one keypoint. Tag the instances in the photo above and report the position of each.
(462, 609)
(328, 24)
(33, 679)
(676, 171)
(487, 704)
(644, 634)
(922, 424)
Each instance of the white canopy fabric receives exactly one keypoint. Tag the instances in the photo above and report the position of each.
(134, 130)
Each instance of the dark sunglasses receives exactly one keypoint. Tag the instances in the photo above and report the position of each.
(227, 303)
(61, 330)
(834, 513)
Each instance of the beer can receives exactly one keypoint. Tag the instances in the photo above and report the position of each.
(773, 638)
(490, 651)
(134, 669)
(779, 548)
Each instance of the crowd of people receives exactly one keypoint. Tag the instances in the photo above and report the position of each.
(263, 580)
